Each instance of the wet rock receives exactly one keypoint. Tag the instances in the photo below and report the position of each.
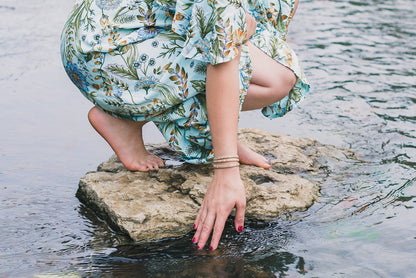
(149, 206)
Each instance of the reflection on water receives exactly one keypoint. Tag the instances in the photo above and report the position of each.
(248, 254)
(360, 57)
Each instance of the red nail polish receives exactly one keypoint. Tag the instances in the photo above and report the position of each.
(194, 240)
(194, 226)
(198, 247)
(211, 248)
(240, 229)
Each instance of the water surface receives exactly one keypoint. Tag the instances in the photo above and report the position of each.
(360, 57)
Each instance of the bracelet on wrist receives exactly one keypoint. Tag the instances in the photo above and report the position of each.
(228, 161)
(226, 165)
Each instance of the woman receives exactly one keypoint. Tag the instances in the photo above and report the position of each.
(190, 67)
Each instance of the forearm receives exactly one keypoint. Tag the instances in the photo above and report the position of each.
(226, 190)
(222, 94)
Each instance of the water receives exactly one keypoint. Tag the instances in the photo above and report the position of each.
(360, 57)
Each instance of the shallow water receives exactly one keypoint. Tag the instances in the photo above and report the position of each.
(360, 57)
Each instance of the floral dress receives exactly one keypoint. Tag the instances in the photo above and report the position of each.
(146, 60)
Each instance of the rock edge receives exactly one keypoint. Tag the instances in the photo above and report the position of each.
(149, 206)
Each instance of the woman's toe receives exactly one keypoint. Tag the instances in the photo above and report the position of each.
(267, 164)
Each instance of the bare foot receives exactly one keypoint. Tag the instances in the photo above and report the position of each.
(250, 157)
(125, 138)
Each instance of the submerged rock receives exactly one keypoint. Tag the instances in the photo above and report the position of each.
(149, 206)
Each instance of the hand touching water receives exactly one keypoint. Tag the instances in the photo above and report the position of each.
(225, 192)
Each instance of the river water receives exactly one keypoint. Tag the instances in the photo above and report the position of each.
(360, 57)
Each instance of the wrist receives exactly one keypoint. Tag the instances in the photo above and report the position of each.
(227, 171)
(226, 161)
(228, 178)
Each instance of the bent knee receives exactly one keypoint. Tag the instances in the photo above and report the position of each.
(286, 83)
(291, 79)
(93, 114)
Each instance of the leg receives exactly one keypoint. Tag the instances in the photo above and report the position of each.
(222, 106)
(125, 138)
(271, 81)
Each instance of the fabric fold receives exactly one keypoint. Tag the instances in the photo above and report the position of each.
(213, 29)
(146, 60)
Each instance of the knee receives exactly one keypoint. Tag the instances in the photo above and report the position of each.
(92, 114)
(291, 80)
(286, 83)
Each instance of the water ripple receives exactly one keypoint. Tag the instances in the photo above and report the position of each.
(360, 57)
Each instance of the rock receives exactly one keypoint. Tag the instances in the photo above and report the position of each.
(149, 206)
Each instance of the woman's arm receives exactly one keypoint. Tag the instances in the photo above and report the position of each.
(226, 190)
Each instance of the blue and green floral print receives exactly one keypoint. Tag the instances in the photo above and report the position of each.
(146, 59)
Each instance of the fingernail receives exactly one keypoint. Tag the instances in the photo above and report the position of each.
(194, 226)
(240, 229)
(268, 163)
(194, 240)
(211, 248)
(198, 247)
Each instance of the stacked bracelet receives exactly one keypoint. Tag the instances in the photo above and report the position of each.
(226, 162)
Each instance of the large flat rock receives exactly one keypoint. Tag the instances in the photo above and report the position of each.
(149, 206)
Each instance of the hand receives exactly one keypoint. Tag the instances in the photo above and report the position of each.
(251, 25)
(225, 192)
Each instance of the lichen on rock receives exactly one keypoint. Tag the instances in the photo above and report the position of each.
(149, 206)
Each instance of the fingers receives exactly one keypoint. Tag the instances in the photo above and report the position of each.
(205, 224)
(205, 230)
(199, 217)
(221, 197)
(216, 234)
(239, 216)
